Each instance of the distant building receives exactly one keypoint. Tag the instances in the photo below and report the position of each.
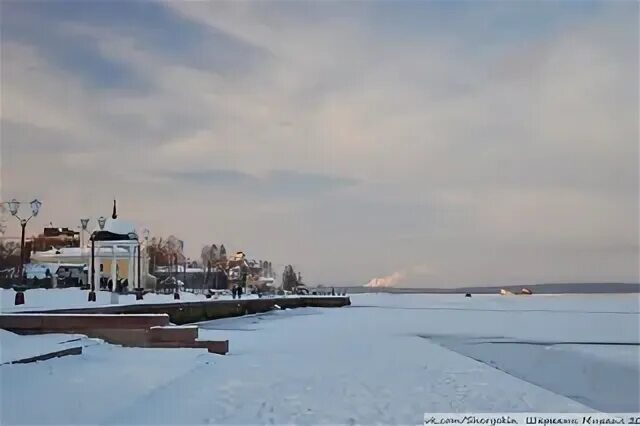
(53, 237)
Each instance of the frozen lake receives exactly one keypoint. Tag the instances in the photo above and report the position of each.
(386, 359)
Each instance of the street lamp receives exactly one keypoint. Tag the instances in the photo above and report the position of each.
(35, 207)
(140, 288)
(92, 293)
(14, 208)
(84, 223)
(14, 205)
(101, 222)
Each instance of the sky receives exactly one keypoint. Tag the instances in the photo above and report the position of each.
(435, 144)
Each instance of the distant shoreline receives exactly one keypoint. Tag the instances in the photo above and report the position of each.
(572, 288)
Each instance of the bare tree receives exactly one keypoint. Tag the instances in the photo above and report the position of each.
(206, 263)
(209, 256)
(157, 253)
(3, 219)
(289, 278)
(9, 253)
(204, 255)
(173, 244)
(213, 253)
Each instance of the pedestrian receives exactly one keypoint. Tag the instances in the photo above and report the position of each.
(333, 291)
(234, 291)
(239, 292)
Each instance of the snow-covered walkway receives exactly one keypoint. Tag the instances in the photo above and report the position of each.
(42, 299)
(386, 359)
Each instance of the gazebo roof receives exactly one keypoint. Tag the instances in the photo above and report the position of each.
(119, 226)
(116, 229)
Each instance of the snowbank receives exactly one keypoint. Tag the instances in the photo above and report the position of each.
(15, 347)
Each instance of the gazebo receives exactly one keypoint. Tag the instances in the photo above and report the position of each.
(113, 237)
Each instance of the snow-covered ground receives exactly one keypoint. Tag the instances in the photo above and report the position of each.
(386, 359)
(14, 347)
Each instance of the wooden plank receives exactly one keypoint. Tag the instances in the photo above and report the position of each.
(173, 334)
(220, 347)
(57, 354)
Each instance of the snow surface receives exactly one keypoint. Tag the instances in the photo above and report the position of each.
(387, 359)
(14, 347)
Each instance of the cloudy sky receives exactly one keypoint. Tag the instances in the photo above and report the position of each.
(440, 143)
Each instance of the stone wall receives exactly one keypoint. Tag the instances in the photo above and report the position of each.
(190, 312)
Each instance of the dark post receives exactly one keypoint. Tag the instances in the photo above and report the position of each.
(139, 268)
(92, 293)
(139, 289)
(19, 299)
(23, 277)
(93, 265)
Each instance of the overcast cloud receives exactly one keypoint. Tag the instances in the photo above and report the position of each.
(450, 143)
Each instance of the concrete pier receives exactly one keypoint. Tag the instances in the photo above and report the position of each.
(132, 330)
(196, 311)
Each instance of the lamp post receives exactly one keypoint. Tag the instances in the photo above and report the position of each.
(140, 289)
(14, 207)
(101, 222)
(92, 293)
(84, 223)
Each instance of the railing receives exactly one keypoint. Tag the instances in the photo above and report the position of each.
(31, 283)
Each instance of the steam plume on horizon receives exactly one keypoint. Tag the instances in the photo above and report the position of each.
(387, 281)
